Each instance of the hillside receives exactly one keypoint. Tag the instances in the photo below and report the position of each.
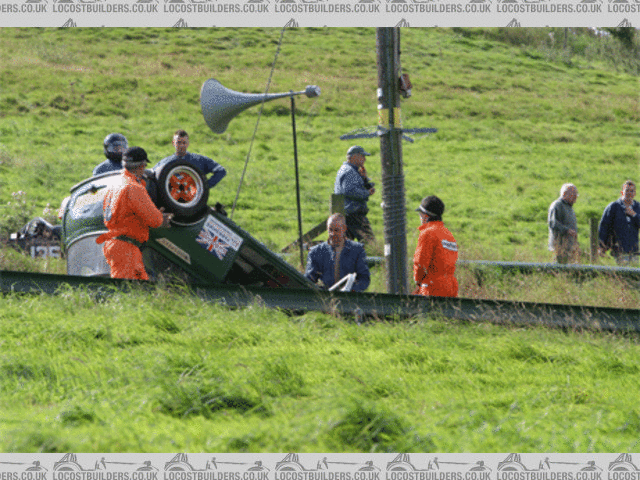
(514, 122)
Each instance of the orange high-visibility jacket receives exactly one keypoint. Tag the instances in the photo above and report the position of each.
(128, 210)
(434, 262)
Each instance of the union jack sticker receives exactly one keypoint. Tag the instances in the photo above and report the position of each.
(217, 239)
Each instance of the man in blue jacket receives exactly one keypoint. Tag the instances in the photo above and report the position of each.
(351, 182)
(181, 143)
(619, 226)
(337, 257)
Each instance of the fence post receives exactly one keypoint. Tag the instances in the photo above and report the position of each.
(337, 203)
(593, 239)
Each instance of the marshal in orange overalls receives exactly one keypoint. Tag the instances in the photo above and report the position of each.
(434, 262)
(128, 212)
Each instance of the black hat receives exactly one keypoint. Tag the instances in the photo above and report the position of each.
(134, 157)
(432, 206)
(357, 149)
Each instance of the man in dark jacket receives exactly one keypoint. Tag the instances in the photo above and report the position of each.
(337, 257)
(207, 165)
(619, 226)
(356, 189)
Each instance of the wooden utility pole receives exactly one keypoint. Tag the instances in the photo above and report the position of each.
(393, 198)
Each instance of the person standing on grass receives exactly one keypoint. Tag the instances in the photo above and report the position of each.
(619, 226)
(337, 257)
(128, 215)
(434, 262)
(208, 166)
(350, 182)
(563, 226)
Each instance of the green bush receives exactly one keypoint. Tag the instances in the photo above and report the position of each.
(625, 35)
(15, 214)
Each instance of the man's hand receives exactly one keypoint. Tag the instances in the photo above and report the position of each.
(372, 191)
(571, 232)
(166, 218)
(629, 211)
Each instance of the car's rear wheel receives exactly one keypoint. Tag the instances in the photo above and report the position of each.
(182, 189)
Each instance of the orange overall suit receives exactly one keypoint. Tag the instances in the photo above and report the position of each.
(128, 214)
(434, 262)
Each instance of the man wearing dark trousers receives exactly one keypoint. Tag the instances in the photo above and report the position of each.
(350, 183)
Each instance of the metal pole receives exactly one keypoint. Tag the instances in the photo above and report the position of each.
(295, 161)
(394, 213)
(593, 240)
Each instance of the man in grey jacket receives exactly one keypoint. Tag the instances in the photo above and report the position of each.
(563, 226)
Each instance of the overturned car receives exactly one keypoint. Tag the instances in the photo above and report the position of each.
(202, 245)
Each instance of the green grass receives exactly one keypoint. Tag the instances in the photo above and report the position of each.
(166, 372)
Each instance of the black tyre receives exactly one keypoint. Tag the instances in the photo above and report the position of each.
(152, 186)
(182, 189)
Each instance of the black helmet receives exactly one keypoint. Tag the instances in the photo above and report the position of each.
(114, 146)
(432, 206)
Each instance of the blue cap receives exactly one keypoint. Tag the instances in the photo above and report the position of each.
(357, 149)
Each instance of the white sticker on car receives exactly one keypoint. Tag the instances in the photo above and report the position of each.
(217, 238)
(173, 248)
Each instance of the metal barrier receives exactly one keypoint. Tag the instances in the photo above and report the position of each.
(574, 269)
(372, 305)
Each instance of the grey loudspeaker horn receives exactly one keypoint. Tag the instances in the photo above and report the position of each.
(220, 104)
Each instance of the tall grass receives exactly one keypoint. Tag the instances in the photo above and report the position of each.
(164, 371)
(569, 45)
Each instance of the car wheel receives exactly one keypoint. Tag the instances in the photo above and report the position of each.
(182, 189)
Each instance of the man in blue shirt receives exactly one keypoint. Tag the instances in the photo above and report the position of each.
(351, 182)
(337, 257)
(181, 143)
(114, 146)
(619, 226)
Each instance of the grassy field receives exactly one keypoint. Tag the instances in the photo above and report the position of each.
(162, 372)
(518, 115)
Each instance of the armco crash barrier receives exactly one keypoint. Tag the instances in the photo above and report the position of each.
(358, 305)
(577, 270)
(224, 264)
